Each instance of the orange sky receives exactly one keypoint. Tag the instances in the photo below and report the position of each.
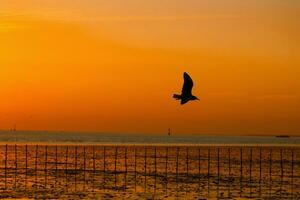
(112, 66)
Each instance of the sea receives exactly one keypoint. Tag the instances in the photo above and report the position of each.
(81, 138)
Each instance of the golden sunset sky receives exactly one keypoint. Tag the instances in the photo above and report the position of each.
(113, 65)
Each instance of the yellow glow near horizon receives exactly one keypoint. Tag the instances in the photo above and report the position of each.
(112, 66)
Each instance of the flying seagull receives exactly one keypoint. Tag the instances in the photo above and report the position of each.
(186, 93)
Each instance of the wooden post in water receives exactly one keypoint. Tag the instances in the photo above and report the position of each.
(260, 166)
(26, 165)
(145, 170)
(66, 167)
(16, 165)
(36, 157)
(5, 170)
(218, 168)
(177, 154)
(155, 169)
(208, 164)
(292, 174)
(229, 172)
(135, 157)
(56, 170)
(94, 168)
(199, 164)
(116, 157)
(208, 172)
(187, 162)
(104, 166)
(218, 160)
(84, 167)
(250, 166)
(125, 175)
(241, 171)
(281, 167)
(270, 172)
(260, 155)
(75, 168)
(250, 163)
(166, 169)
(229, 163)
(45, 168)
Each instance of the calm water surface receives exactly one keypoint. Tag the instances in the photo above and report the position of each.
(97, 138)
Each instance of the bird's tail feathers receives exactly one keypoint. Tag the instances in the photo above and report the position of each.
(177, 96)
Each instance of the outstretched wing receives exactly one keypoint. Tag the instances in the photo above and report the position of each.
(188, 85)
(184, 101)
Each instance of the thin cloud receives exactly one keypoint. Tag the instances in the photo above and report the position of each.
(160, 18)
(78, 16)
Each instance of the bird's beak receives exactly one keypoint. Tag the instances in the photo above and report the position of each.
(198, 99)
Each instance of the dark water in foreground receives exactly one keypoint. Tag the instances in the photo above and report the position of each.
(95, 138)
(149, 172)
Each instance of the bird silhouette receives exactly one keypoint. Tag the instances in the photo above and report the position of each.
(186, 93)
